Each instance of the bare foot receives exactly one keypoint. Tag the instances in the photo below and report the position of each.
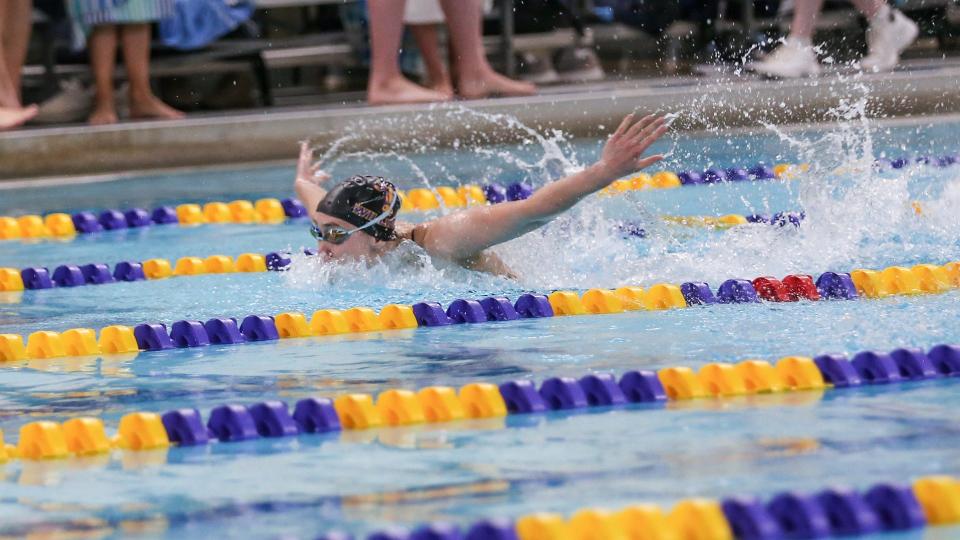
(492, 83)
(443, 87)
(150, 106)
(400, 90)
(103, 115)
(11, 118)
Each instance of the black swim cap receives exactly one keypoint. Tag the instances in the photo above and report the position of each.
(362, 199)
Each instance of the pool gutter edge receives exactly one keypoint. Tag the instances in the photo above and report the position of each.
(258, 137)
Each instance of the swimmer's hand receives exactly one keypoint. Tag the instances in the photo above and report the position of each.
(307, 170)
(309, 178)
(623, 153)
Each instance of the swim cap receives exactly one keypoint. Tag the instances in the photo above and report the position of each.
(362, 199)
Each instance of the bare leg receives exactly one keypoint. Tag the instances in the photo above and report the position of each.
(16, 37)
(475, 77)
(8, 94)
(102, 47)
(804, 16)
(387, 84)
(135, 40)
(14, 34)
(869, 8)
(428, 42)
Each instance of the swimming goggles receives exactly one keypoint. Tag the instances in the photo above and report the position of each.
(337, 235)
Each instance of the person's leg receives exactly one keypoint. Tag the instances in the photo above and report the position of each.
(16, 37)
(387, 84)
(475, 77)
(102, 48)
(8, 94)
(135, 40)
(804, 17)
(869, 8)
(428, 41)
(12, 114)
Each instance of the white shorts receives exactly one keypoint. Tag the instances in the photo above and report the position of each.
(423, 12)
(429, 11)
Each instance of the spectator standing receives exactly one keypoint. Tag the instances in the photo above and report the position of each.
(424, 18)
(106, 26)
(474, 77)
(890, 32)
(14, 36)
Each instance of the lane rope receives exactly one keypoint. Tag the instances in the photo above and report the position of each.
(273, 211)
(119, 339)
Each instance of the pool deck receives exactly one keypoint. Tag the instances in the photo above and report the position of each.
(716, 99)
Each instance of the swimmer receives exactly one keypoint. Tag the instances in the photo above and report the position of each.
(356, 219)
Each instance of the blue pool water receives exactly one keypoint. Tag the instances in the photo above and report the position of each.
(360, 481)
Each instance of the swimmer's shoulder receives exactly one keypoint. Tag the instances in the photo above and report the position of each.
(485, 261)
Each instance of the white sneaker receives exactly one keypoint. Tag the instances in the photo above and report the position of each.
(889, 34)
(791, 60)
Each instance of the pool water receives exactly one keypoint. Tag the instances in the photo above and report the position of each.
(361, 481)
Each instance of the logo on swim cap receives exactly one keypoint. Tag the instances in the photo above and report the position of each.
(364, 212)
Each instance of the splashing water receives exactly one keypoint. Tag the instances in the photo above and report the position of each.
(408, 268)
(480, 154)
(855, 214)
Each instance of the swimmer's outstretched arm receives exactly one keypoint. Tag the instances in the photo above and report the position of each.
(466, 234)
(308, 180)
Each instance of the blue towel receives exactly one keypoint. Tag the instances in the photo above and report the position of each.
(197, 23)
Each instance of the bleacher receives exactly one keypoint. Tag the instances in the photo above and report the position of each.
(264, 58)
